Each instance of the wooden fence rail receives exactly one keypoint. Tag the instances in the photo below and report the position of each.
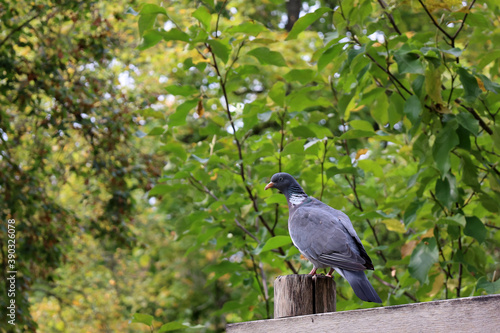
(470, 314)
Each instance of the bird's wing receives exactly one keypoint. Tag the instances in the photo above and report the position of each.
(322, 237)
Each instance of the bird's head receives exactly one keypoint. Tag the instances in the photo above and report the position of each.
(284, 183)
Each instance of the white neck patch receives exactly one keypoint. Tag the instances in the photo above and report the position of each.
(297, 199)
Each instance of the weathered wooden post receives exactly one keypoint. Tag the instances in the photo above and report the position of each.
(297, 295)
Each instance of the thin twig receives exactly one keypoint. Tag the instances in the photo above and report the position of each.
(477, 116)
(218, 18)
(323, 169)
(204, 189)
(460, 266)
(281, 147)
(463, 22)
(389, 16)
(439, 203)
(261, 284)
(387, 284)
(434, 21)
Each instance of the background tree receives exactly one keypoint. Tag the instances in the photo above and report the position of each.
(385, 110)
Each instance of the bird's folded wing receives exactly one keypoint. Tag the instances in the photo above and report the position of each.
(319, 236)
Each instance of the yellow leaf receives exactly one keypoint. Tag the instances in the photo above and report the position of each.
(200, 110)
(480, 84)
(361, 152)
(410, 34)
(356, 109)
(428, 234)
(246, 209)
(433, 84)
(408, 248)
(436, 286)
(394, 225)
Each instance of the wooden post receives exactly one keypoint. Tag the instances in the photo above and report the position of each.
(297, 295)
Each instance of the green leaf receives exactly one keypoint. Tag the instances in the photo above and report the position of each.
(143, 319)
(301, 75)
(303, 131)
(305, 21)
(488, 57)
(175, 34)
(268, 57)
(249, 28)
(328, 56)
(478, 20)
(411, 212)
(475, 229)
(181, 90)
(179, 117)
(469, 176)
(355, 134)
(445, 141)
(150, 8)
(220, 49)
(156, 131)
(160, 189)
(413, 109)
(276, 198)
(361, 125)
(489, 287)
(336, 171)
(172, 326)
(175, 149)
(150, 39)
(147, 16)
(469, 82)
(422, 258)
(203, 16)
(294, 147)
(277, 93)
(275, 242)
(408, 62)
(467, 121)
(320, 132)
(224, 267)
(443, 192)
(455, 51)
(456, 220)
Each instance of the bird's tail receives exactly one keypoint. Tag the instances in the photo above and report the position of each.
(360, 284)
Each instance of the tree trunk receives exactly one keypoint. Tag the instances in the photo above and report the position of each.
(293, 10)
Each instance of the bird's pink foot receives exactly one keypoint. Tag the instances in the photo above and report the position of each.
(313, 272)
(330, 273)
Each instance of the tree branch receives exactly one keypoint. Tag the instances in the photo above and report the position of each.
(19, 27)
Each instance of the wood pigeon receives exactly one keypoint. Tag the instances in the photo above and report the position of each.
(326, 237)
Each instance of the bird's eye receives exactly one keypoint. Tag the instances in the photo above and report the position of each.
(281, 179)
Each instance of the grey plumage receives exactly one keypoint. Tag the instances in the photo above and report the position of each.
(325, 236)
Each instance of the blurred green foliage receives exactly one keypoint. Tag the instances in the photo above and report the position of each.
(136, 176)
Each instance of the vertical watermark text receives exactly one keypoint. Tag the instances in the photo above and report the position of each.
(11, 271)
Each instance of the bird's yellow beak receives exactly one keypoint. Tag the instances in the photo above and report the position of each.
(271, 184)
